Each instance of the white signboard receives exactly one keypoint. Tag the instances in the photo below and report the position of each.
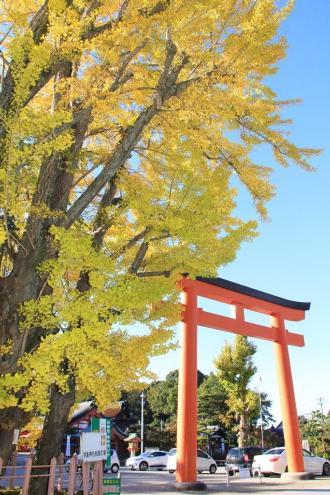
(244, 473)
(68, 446)
(103, 431)
(305, 445)
(15, 437)
(93, 447)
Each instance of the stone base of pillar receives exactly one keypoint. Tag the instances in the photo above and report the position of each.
(297, 476)
(193, 486)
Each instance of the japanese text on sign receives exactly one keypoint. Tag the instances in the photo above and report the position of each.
(92, 447)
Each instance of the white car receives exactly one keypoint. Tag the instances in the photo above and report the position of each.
(274, 462)
(204, 462)
(115, 464)
(150, 459)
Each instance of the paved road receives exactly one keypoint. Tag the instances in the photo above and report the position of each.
(156, 482)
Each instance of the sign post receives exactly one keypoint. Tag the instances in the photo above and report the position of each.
(103, 426)
(111, 486)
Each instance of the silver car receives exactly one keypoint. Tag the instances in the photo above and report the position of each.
(151, 459)
(204, 462)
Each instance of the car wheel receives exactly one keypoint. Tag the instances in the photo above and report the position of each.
(143, 466)
(231, 473)
(171, 471)
(213, 469)
(114, 468)
(326, 469)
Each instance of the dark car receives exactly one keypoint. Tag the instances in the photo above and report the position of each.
(241, 457)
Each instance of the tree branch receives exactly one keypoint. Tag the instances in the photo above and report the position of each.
(39, 25)
(132, 242)
(119, 79)
(117, 159)
(102, 223)
(166, 89)
(161, 273)
(140, 255)
(158, 8)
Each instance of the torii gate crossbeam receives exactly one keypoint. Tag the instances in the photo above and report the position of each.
(240, 298)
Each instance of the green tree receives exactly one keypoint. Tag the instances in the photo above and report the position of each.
(162, 397)
(212, 398)
(134, 406)
(235, 370)
(316, 429)
(212, 406)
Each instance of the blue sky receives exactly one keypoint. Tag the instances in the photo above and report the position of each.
(291, 256)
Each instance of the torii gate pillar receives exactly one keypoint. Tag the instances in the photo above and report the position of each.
(240, 297)
(287, 400)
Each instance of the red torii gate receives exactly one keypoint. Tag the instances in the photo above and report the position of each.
(239, 297)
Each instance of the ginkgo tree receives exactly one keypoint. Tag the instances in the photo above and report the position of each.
(121, 125)
(235, 369)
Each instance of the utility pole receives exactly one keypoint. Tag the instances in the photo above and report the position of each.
(260, 412)
(142, 422)
(321, 402)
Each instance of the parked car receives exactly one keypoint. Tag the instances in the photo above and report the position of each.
(114, 467)
(204, 462)
(115, 464)
(274, 462)
(241, 457)
(149, 459)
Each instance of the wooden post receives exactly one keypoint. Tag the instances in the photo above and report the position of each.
(85, 477)
(51, 479)
(27, 475)
(12, 471)
(1, 462)
(96, 479)
(60, 462)
(100, 463)
(72, 475)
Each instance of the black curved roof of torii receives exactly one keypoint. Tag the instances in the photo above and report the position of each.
(258, 294)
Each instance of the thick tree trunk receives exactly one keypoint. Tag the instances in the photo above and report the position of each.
(52, 435)
(6, 445)
(243, 432)
(10, 418)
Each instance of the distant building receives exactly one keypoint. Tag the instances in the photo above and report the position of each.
(81, 422)
(218, 443)
(278, 432)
